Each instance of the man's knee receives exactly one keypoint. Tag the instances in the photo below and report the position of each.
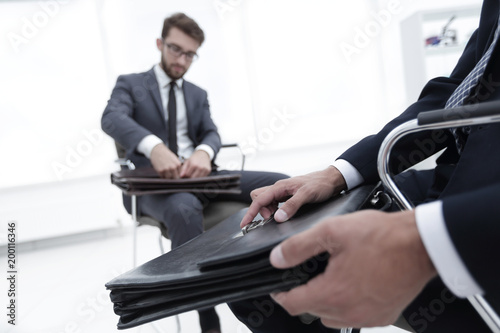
(184, 208)
(269, 178)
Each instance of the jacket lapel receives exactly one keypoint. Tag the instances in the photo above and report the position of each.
(151, 84)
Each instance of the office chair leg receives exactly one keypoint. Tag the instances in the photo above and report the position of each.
(134, 231)
(160, 240)
(178, 322)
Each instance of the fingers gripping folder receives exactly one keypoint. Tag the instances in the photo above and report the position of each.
(224, 264)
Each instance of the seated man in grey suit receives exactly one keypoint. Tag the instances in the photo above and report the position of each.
(147, 110)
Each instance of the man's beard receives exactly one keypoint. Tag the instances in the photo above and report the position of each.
(169, 71)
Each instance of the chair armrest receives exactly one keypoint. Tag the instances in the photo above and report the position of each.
(124, 162)
(466, 112)
(229, 145)
(235, 145)
(467, 115)
(128, 163)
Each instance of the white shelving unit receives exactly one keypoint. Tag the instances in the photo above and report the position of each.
(423, 62)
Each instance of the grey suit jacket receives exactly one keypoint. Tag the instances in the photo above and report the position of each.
(135, 111)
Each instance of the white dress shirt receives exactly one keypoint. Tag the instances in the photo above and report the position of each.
(435, 237)
(184, 143)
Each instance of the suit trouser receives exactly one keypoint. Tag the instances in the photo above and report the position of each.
(263, 315)
(182, 213)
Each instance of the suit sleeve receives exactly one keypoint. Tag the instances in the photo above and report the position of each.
(206, 131)
(117, 120)
(473, 223)
(413, 148)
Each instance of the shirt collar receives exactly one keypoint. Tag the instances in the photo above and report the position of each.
(163, 79)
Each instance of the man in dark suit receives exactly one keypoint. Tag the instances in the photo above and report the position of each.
(164, 121)
(421, 263)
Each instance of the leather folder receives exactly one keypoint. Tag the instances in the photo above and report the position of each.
(223, 265)
(147, 181)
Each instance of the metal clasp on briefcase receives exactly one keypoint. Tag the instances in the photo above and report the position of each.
(251, 226)
(255, 224)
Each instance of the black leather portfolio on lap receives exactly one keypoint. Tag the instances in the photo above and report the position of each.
(222, 265)
(146, 181)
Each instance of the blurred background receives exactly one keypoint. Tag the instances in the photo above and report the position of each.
(328, 72)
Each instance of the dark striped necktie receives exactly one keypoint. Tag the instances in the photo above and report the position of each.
(466, 87)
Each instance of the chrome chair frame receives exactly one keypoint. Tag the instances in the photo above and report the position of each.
(477, 114)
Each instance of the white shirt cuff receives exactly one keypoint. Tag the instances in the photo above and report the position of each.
(351, 175)
(432, 228)
(147, 144)
(207, 149)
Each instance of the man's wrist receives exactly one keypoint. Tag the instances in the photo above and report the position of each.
(207, 149)
(147, 144)
(204, 152)
(350, 174)
(416, 243)
(337, 179)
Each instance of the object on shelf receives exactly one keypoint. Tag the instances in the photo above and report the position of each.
(448, 37)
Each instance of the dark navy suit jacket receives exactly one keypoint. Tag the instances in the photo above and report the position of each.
(471, 190)
(135, 111)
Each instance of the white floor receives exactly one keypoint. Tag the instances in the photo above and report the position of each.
(61, 289)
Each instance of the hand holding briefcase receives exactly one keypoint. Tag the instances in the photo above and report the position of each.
(223, 265)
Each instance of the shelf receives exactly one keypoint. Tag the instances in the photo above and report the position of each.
(441, 50)
(421, 62)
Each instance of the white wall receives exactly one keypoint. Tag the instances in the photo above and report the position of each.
(281, 75)
(391, 46)
(261, 58)
(53, 89)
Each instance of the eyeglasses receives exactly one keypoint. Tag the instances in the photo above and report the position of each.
(177, 52)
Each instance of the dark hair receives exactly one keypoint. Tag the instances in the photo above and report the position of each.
(184, 23)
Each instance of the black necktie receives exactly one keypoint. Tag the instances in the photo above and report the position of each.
(172, 119)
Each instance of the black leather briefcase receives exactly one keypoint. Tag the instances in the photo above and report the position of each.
(224, 265)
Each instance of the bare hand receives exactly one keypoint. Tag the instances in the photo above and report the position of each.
(297, 191)
(198, 165)
(165, 162)
(377, 266)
